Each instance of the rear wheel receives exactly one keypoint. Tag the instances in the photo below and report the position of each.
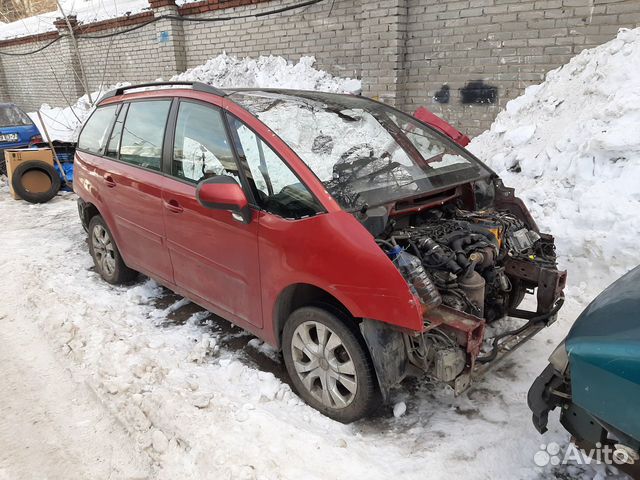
(329, 365)
(106, 257)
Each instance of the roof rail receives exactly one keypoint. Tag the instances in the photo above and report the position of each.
(197, 86)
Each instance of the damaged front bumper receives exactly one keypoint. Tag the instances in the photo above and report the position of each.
(502, 345)
(397, 354)
(449, 348)
(551, 390)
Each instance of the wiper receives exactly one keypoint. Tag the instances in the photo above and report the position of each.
(386, 169)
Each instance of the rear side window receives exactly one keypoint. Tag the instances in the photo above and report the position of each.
(12, 116)
(143, 133)
(201, 148)
(94, 134)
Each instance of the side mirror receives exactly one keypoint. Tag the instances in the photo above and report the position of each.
(223, 193)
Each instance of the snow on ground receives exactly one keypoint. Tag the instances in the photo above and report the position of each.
(571, 146)
(202, 400)
(86, 11)
(196, 406)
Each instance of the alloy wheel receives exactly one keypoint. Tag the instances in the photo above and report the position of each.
(103, 250)
(324, 364)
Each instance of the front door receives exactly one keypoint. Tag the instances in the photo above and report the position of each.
(214, 256)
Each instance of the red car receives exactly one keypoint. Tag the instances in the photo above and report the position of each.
(363, 243)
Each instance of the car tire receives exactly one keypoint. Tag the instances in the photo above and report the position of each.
(35, 197)
(329, 365)
(3, 164)
(518, 291)
(106, 256)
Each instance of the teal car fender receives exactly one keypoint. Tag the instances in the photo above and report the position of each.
(594, 374)
(604, 356)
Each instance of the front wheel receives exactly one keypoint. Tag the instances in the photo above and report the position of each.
(329, 365)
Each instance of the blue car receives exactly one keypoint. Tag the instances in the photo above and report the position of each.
(16, 130)
(593, 377)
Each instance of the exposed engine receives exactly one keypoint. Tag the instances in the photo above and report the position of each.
(467, 268)
(463, 253)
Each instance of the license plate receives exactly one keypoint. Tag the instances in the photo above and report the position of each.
(8, 137)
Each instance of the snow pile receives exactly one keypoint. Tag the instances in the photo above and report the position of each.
(64, 123)
(86, 11)
(227, 71)
(571, 147)
(222, 71)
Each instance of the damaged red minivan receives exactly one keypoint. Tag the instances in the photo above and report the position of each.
(363, 243)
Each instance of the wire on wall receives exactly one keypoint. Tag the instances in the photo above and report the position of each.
(80, 36)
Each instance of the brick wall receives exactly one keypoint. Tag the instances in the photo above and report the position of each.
(333, 35)
(509, 44)
(40, 78)
(408, 52)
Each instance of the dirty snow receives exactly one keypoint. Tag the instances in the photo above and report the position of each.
(571, 146)
(194, 406)
(86, 11)
(196, 403)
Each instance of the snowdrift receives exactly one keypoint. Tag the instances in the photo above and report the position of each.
(64, 124)
(571, 147)
(227, 71)
(222, 71)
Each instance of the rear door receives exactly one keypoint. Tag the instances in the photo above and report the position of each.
(132, 185)
(214, 256)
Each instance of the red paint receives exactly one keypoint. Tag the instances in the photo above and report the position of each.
(234, 269)
(439, 124)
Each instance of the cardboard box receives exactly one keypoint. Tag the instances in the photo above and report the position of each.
(36, 180)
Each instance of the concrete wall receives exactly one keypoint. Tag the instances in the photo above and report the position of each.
(405, 51)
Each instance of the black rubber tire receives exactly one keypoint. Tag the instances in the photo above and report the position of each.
(35, 197)
(121, 274)
(518, 291)
(3, 164)
(367, 397)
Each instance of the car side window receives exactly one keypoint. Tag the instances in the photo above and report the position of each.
(279, 191)
(143, 133)
(116, 133)
(201, 147)
(94, 134)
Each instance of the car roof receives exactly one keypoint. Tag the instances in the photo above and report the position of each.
(205, 88)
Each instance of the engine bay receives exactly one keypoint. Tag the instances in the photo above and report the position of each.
(468, 268)
(463, 254)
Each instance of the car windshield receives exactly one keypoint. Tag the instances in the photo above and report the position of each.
(364, 152)
(12, 116)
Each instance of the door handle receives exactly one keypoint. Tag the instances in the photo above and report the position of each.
(108, 179)
(173, 206)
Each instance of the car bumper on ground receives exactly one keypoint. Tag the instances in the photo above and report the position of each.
(552, 390)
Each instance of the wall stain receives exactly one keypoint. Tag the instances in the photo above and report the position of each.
(476, 91)
(443, 95)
